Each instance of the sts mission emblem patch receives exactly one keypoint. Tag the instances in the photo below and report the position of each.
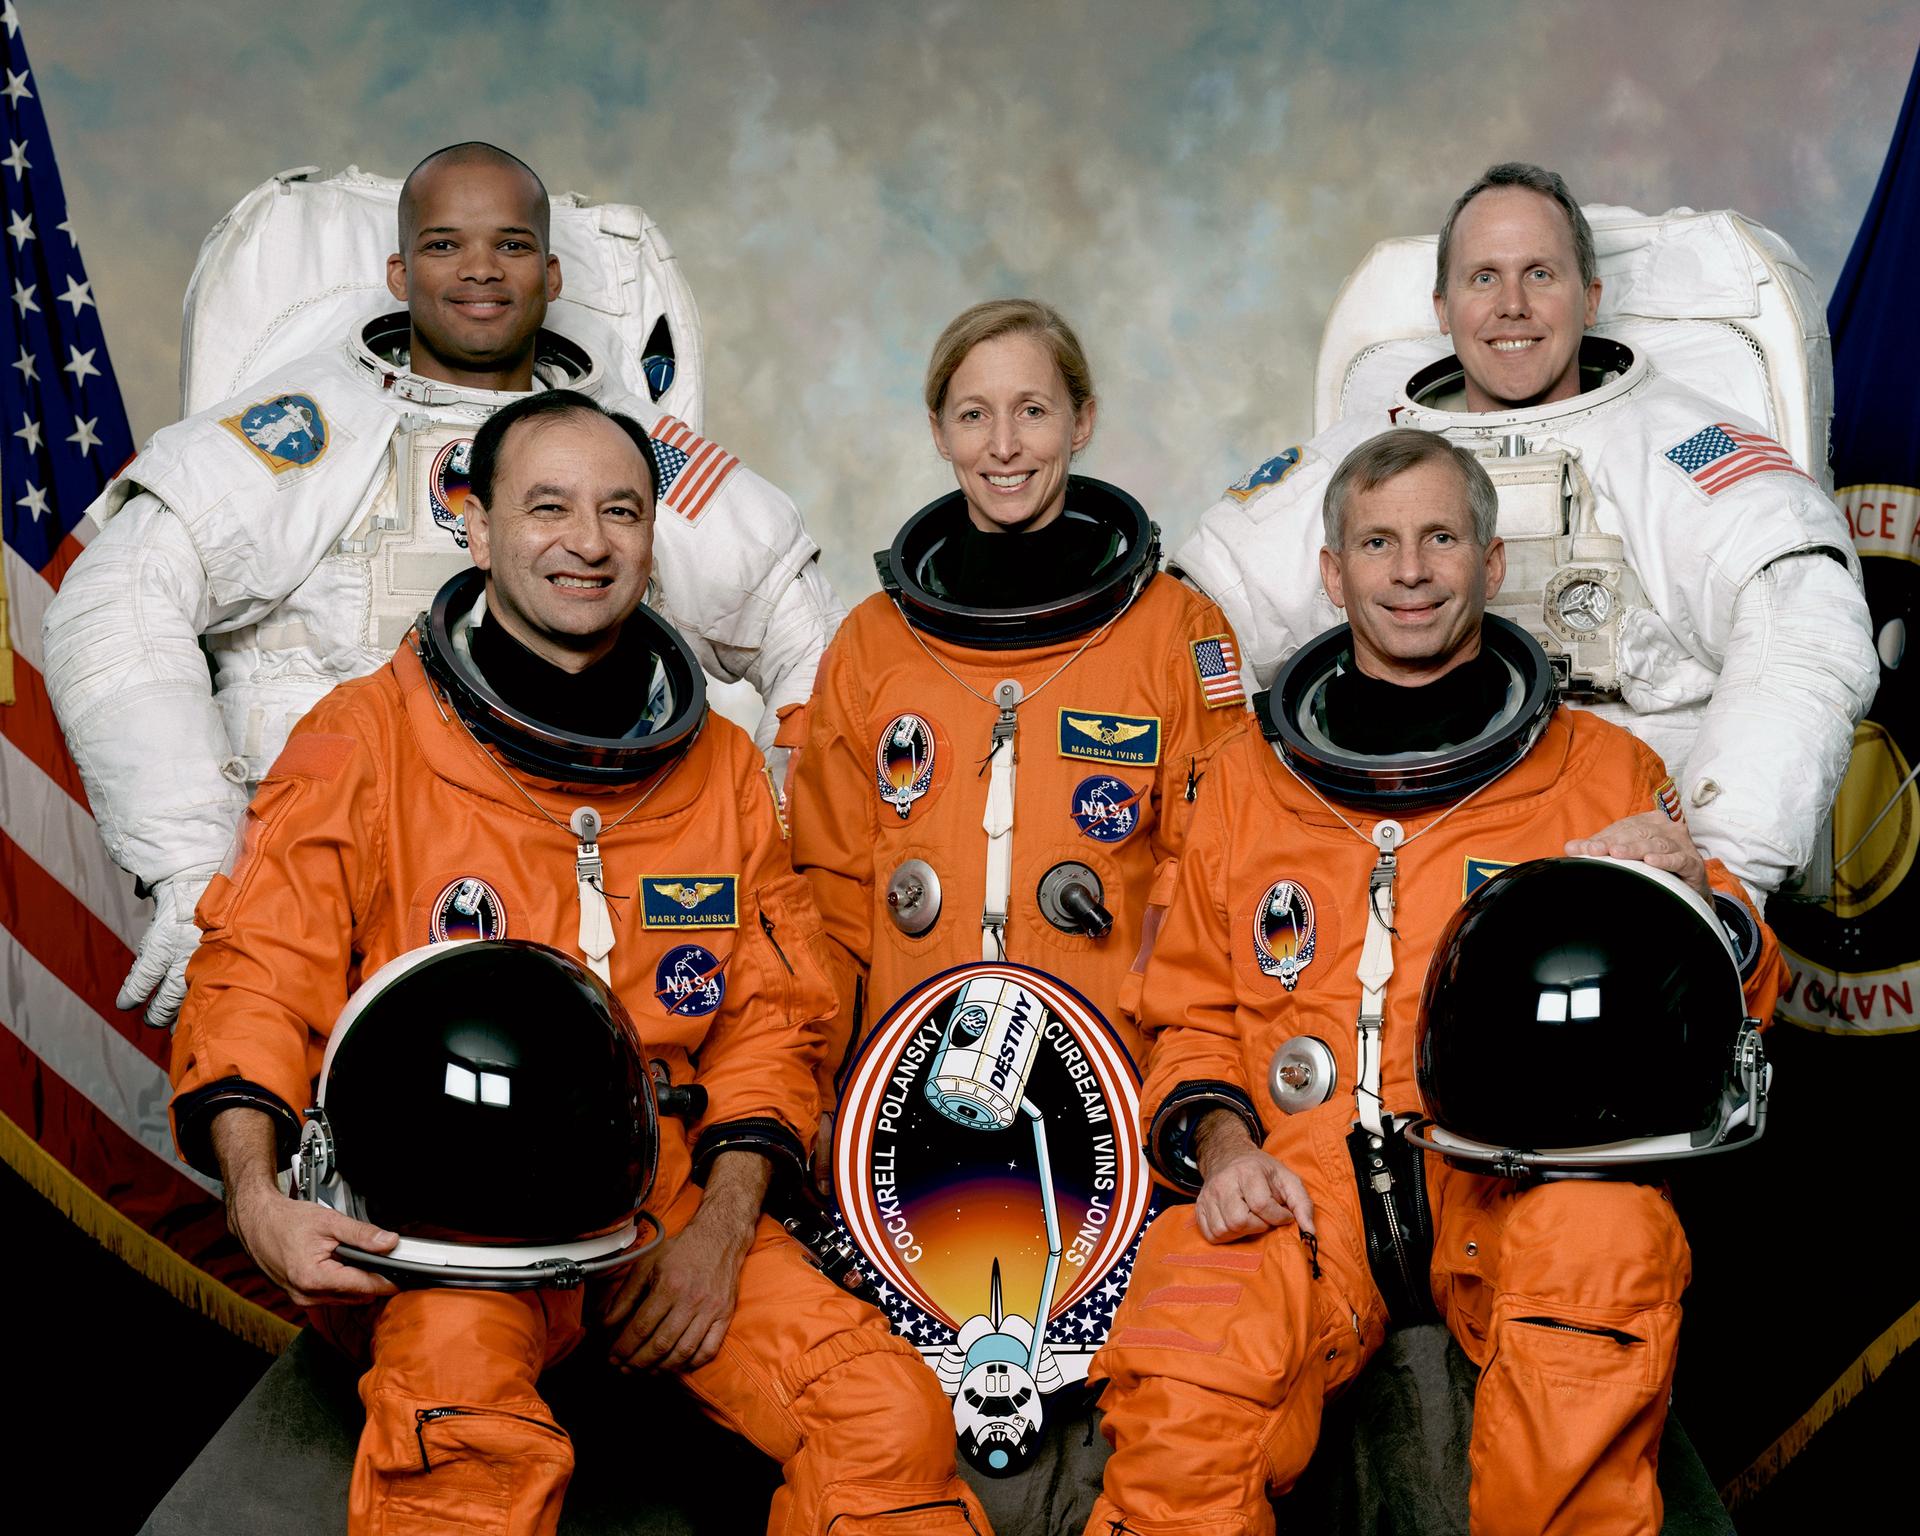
(447, 485)
(990, 1172)
(1284, 932)
(903, 762)
(469, 908)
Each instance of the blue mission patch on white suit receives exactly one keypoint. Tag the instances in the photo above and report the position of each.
(285, 432)
(1276, 469)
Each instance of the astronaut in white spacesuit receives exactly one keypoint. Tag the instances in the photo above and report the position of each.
(300, 528)
(1688, 578)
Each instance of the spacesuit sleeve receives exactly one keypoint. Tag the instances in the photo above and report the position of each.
(831, 791)
(1799, 673)
(742, 580)
(1255, 552)
(1192, 725)
(1763, 971)
(131, 689)
(1187, 1011)
(759, 1060)
(806, 613)
(276, 950)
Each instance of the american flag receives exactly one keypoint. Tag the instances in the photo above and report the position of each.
(83, 1086)
(1219, 669)
(692, 470)
(1722, 455)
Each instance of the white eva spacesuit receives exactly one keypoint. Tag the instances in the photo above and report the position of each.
(1647, 535)
(301, 525)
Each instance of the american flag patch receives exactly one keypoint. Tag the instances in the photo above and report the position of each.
(692, 470)
(1722, 455)
(1219, 669)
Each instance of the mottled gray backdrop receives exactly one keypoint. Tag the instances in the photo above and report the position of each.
(1189, 182)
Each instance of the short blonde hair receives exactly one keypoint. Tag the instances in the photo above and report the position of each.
(1008, 317)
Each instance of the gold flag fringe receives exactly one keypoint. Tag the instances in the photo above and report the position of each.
(141, 1250)
(1864, 1371)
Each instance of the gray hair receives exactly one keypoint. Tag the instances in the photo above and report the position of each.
(1518, 173)
(1379, 459)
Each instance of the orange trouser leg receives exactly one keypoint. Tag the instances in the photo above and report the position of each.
(1580, 1342)
(457, 1438)
(1216, 1369)
(856, 1419)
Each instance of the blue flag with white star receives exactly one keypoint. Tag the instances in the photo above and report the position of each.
(64, 432)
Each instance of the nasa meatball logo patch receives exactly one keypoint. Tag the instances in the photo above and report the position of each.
(1106, 809)
(1284, 932)
(285, 432)
(903, 762)
(990, 1172)
(447, 485)
(690, 981)
(469, 908)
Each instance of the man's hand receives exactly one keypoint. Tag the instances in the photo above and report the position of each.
(160, 966)
(1245, 1190)
(672, 1308)
(823, 1157)
(291, 1240)
(1652, 838)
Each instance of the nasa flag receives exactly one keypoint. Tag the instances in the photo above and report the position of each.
(1855, 958)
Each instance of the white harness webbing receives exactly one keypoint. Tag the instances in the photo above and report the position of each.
(596, 924)
(1375, 971)
(997, 823)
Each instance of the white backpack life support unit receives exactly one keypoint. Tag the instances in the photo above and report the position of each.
(303, 256)
(1710, 300)
(1718, 302)
(296, 268)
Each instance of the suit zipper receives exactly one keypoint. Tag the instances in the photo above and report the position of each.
(1396, 1238)
(422, 1417)
(906, 1509)
(1601, 1333)
(766, 927)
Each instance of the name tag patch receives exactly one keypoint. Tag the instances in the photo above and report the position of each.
(1102, 738)
(1479, 872)
(689, 901)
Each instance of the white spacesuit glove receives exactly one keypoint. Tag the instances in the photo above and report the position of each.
(160, 968)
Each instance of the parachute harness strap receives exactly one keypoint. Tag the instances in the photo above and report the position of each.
(997, 823)
(1376, 951)
(1376, 970)
(1002, 756)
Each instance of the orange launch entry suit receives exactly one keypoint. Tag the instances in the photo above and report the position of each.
(1566, 1294)
(361, 844)
(1108, 732)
